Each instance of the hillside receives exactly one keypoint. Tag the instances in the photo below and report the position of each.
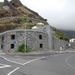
(1, 4)
(14, 15)
(69, 33)
(61, 34)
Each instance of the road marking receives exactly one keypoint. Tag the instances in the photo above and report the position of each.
(4, 66)
(33, 60)
(24, 65)
(66, 60)
(13, 71)
(12, 61)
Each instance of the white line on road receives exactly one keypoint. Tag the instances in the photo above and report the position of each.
(13, 71)
(33, 60)
(12, 61)
(67, 61)
(4, 66)
(24, 65)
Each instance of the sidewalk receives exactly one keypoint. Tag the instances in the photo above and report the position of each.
(1, 52)
(39, 53)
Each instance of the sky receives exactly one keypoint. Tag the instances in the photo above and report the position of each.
(59, 13)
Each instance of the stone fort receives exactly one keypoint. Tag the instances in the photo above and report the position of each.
(37, 38)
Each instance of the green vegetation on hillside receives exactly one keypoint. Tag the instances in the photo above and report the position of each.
(18, 16)
(61, 35)
(1, 4)
(16, 23)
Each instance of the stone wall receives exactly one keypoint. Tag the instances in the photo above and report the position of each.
(57, 43)
(28, 37)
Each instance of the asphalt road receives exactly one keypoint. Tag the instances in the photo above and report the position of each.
(59, 64)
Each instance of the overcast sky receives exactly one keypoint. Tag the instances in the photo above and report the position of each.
(60, 13)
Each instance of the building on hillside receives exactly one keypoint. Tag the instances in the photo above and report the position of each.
(37, 38)
(72, 43)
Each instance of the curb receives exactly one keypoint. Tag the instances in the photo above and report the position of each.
(46, 53)
(35, 54)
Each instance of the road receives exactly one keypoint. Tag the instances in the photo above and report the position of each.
(59, 64)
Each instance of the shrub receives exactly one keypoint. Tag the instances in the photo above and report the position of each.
(23, 48)
(27, 49)
(66, 39)
(61, 38)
